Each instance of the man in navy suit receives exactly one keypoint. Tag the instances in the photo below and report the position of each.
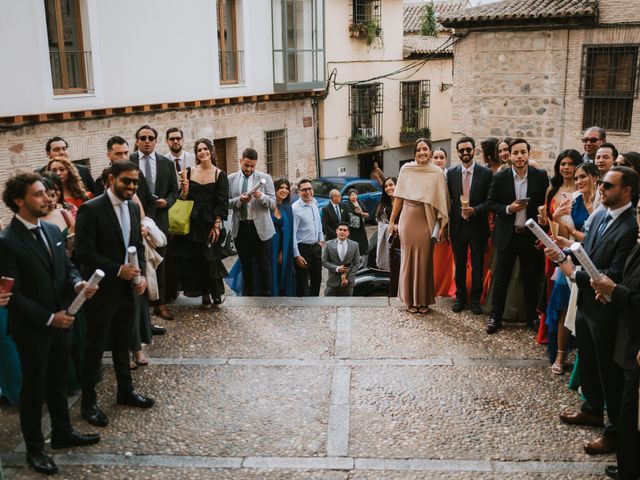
(515, 195)
(608, 242)
(33, 253)
(468, 224)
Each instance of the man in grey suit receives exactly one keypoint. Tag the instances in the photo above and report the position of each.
(252, 227)
(341, 259)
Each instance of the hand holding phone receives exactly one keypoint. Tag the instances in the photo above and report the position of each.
(6, 284)
(523, 201)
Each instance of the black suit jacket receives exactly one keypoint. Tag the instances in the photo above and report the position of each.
(42, 286)
(503, 193)
(626, 298)
(480, 184)
(166, 187)
(609, 254)
(99, 244)
(330, 219)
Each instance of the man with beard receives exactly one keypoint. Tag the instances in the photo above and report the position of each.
(469, 225)
(105, 228)
(515, 195)
(608, 241)
(32, 252)
(58, 147)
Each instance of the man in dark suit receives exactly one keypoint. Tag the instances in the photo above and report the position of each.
(341, 258)
(514, 196)
(105, 227)
(625, 297)
(333, 213)
(468, 224)
(58, 147)
(608, 242)
(33, 254)
(160, 174)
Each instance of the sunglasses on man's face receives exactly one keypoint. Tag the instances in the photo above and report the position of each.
(465, 150)
(606, 185)
(146, 138)
(129, 181)
(175, 139)
(590, 140)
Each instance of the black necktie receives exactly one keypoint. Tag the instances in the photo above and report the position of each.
(178, 165)
(41, 242)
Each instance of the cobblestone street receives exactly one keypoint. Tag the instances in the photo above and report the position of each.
(331, 389)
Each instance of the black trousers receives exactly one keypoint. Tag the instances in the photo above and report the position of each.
(308, 279)
(521, 246)
(628, 435)
(45, 373)
(601, 379)
(170, 272)
(255, 256)
(107, 324)
(460, 243)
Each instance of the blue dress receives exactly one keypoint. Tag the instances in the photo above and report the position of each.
(282, 281)
(10, 374)
(559, 299)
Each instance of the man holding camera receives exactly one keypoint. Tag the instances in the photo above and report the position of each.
(341, 259)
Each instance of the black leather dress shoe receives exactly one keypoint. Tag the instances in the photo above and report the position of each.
(156, 330)
(611, 471)
(493, 325)
(94, 416)
(74, 439)
(134, 399)
(42, 463)
(457, 307)
(476, 309)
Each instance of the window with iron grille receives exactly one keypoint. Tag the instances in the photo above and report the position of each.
(276, 153)
(414, 104)
(365, 109)
(609, 85)
(364, 11)
(69, 61)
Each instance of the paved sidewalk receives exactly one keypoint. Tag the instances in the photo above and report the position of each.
(331, 389)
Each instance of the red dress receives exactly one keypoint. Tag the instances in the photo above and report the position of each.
(443, 270)
(549, 268)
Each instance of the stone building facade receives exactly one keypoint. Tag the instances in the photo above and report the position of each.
(519, 70)
(234, 127)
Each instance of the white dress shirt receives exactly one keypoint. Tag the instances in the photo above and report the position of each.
(521, 186)
(250, 182)
(307, 227)
(615, 214)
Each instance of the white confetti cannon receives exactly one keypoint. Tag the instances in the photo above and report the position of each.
(543, 237)
(133, 261)
(95, 279)
(255, 188)
(587, 264)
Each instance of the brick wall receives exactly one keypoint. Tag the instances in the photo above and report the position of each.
(23, 148)
(619, 11)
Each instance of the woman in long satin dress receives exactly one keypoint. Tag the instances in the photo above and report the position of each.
(421, 194)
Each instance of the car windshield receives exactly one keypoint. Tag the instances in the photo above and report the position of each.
(321, 188)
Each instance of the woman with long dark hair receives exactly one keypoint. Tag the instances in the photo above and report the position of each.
(74, 190)
(490, 153)
(357, 215)
(443, 263)
(283, 282)
(388, 251)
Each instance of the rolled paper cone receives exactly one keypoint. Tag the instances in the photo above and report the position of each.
(554, 228)
(255, 188)
(133, 261)
(464, 201)
(542, 211)
(95, 279)
(586, 263)
(183, 174)
(543, 237)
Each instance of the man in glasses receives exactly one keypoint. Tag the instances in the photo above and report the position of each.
(307, 241)
(469, 225)
(514, 197)
(105, 228)
(59, 147)
(160, 175)
(608, 242)
(592, 139)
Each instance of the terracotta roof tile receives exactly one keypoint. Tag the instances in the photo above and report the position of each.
(421, 45)
(521, 9)
(413, 12)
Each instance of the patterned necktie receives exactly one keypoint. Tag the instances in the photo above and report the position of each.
(466, 183)
(147, 173)
(244, 209)
(603, 225)
(337, 212)
(125, 225)
(341, 252)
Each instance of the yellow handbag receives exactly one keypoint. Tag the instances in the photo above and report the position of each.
(180, 217)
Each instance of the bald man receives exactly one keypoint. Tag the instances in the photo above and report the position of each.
(332, 214)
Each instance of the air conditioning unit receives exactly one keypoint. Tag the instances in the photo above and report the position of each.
(342, 171)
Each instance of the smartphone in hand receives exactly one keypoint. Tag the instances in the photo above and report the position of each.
(6, 284)
(523, 201)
